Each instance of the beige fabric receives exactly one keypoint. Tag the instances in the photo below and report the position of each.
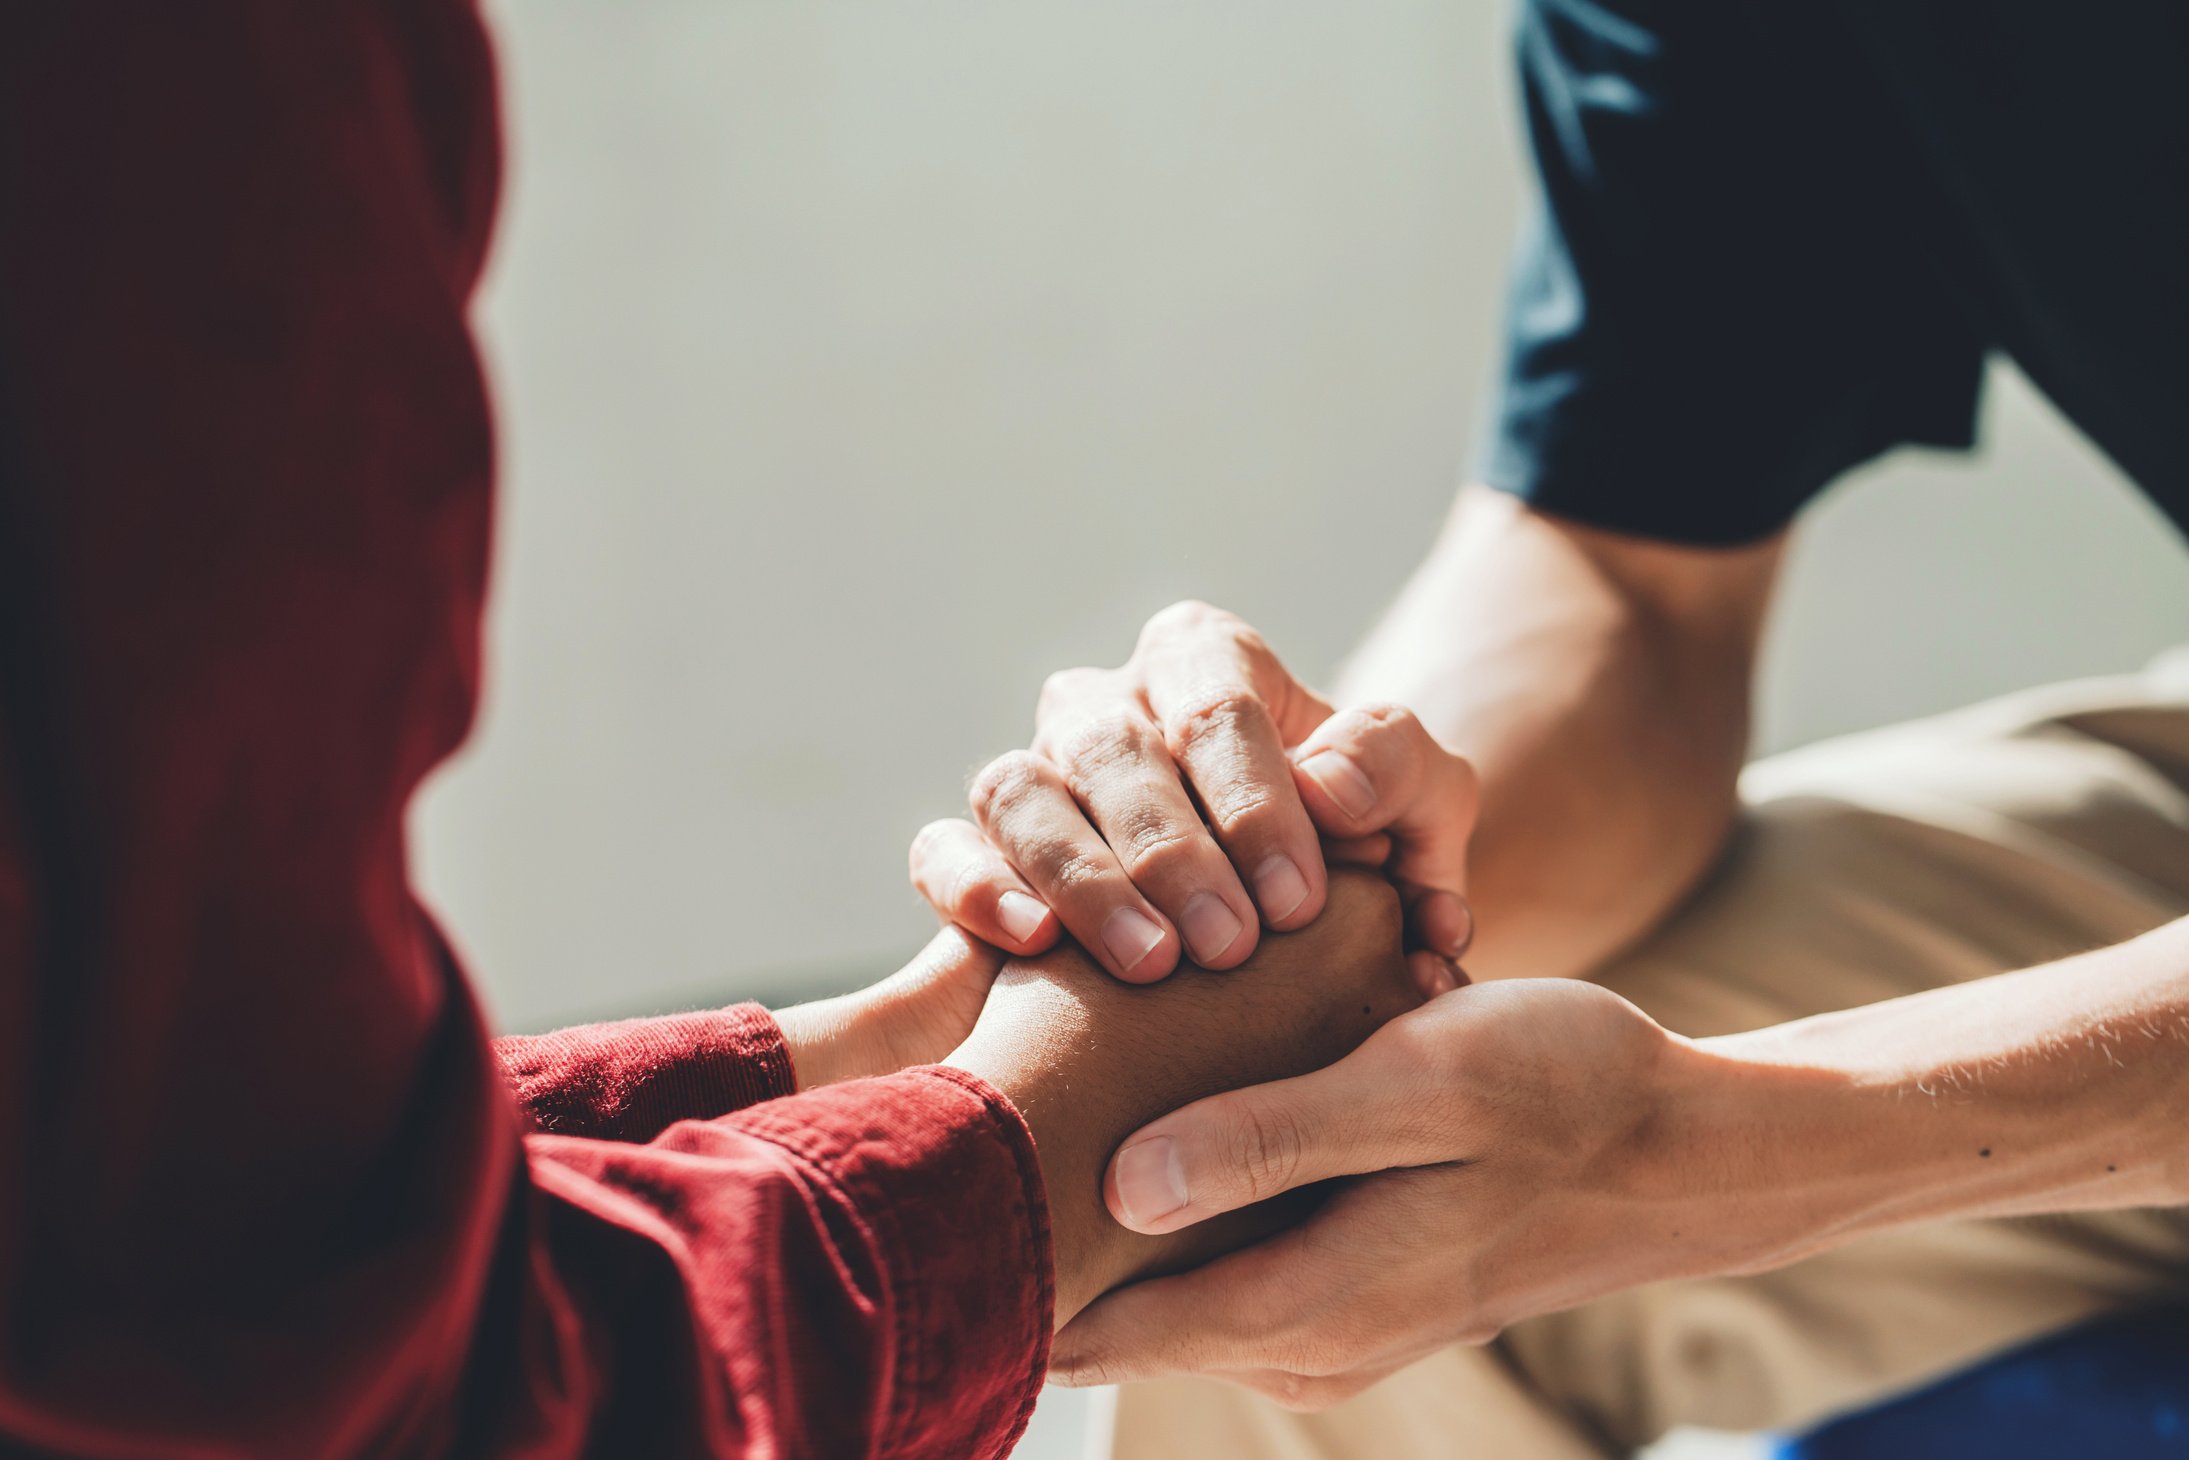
(2006, 835)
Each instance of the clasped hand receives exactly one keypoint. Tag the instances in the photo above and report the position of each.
(1508, 1147)
(1499, 1151)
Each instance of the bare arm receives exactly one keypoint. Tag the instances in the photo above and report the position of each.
(1592, 687)
(1600, 685)
(1571, 1148)
(2059, 1088)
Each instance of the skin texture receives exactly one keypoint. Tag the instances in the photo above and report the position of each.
(916, 1016)
(1543, 1143)
(1526, 1089)
(1529, 1143)
(1086, 1058)
(1192, 797)
(1599, 684)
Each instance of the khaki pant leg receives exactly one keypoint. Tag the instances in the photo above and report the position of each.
(2009, 834)
(2017, 832)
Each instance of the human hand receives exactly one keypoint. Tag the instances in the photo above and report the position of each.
(1527, 1157)
(1155, 795)
(1085, 1058)
(914, 1017)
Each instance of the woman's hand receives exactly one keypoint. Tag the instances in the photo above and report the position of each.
(916, 1016)
(1188, 798)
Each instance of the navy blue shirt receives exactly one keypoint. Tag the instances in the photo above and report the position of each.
(1776, 240)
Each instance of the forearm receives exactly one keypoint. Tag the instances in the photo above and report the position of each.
(2059, 1088)
(1600, 686)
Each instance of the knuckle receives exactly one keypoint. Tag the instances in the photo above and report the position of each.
(1224, 711)
(1065, 686)
(1071, 869)
(1389, 716)
(1387, 731)
(1091, 1364)
(1005, 783)
(1188, 615)
(1192, 621)
(931, 846)
(1422, 1048)
(1269, 1316)
(1243, 809)
(1105, 742)
(1251, 645)
(960, 883)
(930, 839)
(1268, 1150)
(1160, 852)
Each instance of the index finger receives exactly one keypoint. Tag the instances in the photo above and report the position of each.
(1230, 1314)
(1228, 709)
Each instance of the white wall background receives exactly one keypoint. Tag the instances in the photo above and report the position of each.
(859, 364)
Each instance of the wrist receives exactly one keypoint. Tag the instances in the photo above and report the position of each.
(1976, 1100)
(1680, 1181)
(916, 1016)
(1761, 1162)
(831, 1040)
(1071, 1141)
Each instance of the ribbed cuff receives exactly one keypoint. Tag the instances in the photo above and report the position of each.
(631, 1080)
(941, 1171)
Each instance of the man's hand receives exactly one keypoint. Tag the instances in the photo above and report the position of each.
(1525, 1165)
(1189, 793)
(1086, 1059)
(914, 1017)
(1537, 1143)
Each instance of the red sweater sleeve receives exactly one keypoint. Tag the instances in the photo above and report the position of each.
(263, 1191)
(628, 1080)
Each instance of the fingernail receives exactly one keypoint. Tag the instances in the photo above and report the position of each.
(1335, 772)
(1444, 922)
(1279, 888)
(1020, 915)
(1465, 938)
(1210, 926)
(1444, 980)
(1151, 1180)
(1131, 936)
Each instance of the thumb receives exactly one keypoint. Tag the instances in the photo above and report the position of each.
(928, 1008)
(1244, 1146)
(1375, 769)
